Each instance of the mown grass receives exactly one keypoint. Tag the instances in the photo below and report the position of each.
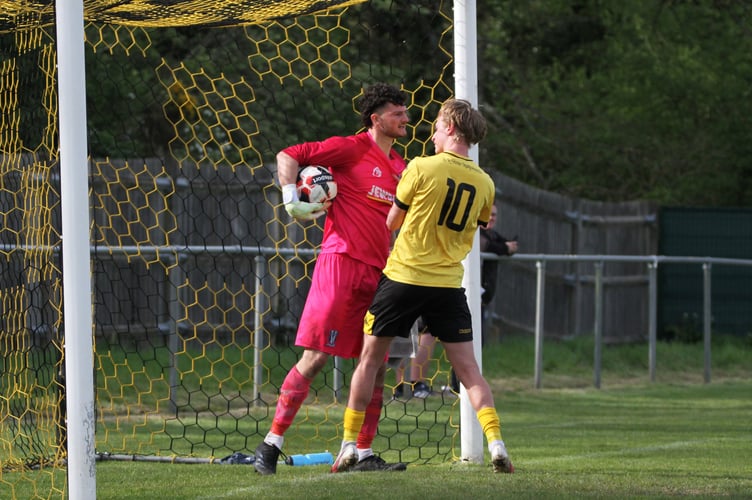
(659, 441)
(632, 438)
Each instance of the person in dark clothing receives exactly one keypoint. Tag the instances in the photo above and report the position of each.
(492, 242)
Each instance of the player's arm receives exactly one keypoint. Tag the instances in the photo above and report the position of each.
(287, 173)
(493, 242)
(287, 169)
(396, 216)
(402, 197)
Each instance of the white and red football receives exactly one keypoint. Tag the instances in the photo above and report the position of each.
(316, 184)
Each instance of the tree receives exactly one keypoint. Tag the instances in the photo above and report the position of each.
(613, 100)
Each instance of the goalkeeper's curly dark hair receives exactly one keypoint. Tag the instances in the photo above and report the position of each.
(376, 96)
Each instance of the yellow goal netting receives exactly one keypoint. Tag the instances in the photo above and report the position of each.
(198, 276)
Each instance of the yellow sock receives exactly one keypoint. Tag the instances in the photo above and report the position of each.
(489, 421)
(352, 423)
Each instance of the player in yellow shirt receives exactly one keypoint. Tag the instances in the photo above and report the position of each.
(440, 202)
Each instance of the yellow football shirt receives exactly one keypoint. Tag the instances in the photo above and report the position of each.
(446, 196)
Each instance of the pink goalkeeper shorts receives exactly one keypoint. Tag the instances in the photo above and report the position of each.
(341, 292)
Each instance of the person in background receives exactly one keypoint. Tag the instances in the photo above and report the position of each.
(440, 202)
(353, 252)
(414, 363)
(491, 242)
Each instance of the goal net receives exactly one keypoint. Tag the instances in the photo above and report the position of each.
(198, 274)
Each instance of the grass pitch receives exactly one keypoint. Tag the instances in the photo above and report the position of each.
(658, 441)
(633, 438)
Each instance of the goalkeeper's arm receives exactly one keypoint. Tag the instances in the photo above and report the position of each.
(287, 173)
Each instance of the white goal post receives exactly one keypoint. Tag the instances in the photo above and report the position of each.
(74, 200)
(466, 87)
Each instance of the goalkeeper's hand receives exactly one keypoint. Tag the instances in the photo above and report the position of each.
(301, 209)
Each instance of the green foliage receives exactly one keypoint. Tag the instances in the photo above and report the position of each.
(141, 101)
(606, 100)
(620, 100)
(689, 329)
(26, 67)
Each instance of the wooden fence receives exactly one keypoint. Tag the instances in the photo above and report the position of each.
(549, 223)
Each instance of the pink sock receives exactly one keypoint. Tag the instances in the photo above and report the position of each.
(371, 422)
(293, 392)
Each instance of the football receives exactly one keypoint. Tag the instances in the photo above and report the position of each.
(316, 184)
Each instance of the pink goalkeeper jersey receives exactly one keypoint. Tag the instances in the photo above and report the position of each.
(366, 183)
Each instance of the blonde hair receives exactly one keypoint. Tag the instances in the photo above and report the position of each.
(468, 121)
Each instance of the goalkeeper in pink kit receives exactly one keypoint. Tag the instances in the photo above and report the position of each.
(353, 253)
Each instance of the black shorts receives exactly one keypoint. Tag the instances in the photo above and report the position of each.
(396, 306)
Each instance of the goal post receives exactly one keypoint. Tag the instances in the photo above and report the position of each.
(466, 87)
(77, 311)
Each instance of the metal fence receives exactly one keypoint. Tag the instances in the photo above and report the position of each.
(262, 335)
(652, 262)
